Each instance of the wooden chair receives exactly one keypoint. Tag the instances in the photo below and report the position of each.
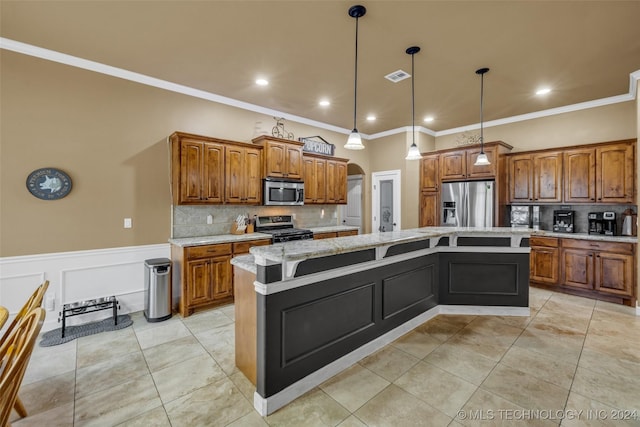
(35, 300)
(15, 352)
(4, 315)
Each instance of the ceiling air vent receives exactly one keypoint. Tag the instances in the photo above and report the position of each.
(396, 76)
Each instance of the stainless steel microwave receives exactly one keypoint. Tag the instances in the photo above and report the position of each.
(283, 192)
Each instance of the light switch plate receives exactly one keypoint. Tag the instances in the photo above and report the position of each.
(127, 223)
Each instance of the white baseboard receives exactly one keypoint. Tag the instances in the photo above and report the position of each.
(76, 276)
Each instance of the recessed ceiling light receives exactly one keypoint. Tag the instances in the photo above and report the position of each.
(428, 119)
(371, 118)
(262, 82)
(324, 103)
(543, 91)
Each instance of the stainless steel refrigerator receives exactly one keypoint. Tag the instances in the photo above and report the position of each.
(468, 204)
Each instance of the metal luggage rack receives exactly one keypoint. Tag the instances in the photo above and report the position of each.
(89, 306)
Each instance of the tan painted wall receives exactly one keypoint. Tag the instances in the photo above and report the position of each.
(109, 135)
(608, 123)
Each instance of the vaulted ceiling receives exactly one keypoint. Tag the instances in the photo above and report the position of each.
(582, 50)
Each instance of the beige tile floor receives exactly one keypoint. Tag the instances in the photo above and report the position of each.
(574, 361)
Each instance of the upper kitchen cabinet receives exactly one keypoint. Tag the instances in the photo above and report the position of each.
(325, 179)
(535, 177)
(615, 172)
(243, 175)
(207, 170)
(604, 174)
(282, 157)
(197, 169)
(337, 180)
(429, 175)
(459, 164)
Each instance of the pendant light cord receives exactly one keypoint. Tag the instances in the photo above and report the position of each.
(413, 101)
(481, 117)
(355, 86)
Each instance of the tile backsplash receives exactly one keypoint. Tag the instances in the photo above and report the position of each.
(191, 221)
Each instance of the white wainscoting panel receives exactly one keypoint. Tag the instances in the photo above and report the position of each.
(77, 276)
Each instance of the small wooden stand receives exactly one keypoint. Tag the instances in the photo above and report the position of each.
(236, 230)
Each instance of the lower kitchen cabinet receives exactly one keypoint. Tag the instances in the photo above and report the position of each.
(590, 268)
(429, 209)
(330, 234)
(205, 273)
(543, 263)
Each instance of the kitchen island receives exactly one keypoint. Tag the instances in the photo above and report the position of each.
(307, 310)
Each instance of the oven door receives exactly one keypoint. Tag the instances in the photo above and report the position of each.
(283, 193)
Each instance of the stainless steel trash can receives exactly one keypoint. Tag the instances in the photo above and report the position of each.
(157, 289)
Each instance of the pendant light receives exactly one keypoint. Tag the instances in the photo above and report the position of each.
(482, 159)
(355, 141)
(414, 153)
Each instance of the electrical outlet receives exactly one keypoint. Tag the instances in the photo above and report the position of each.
(127, 223)
(209, 219)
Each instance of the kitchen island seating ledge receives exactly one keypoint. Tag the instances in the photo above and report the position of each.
(307, 310)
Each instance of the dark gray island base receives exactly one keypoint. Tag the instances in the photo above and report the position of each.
(321, 306)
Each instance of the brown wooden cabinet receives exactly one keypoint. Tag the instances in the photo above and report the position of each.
(315, 179)
(282, 157)
(460, 164)
(605, 267)
(243, 175)
(429, 173)
(580, 175)
(197, 170)
(207, 170)
(331, 234)
(429, 209)
(325, 179)
(615, 173)
(205, 274)
(535, 177)
(543, 261)
(337, 190)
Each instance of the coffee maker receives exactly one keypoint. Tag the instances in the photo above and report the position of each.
(596, 225)
(609, 223)
(563, 221)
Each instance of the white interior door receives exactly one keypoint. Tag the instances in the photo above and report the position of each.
(385, 209)
(351, 213)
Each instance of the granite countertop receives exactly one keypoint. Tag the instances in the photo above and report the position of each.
(305, 249)
(585, 236)
(246, 262)
(221, 238)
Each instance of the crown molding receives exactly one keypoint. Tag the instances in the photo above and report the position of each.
(51, 55)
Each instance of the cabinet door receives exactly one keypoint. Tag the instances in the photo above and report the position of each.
(547, 177)
(332, 181)
(309, 168)
(213, 173)
(347, 233)
(544, 264)
(615, 166)
(614, 273)
(485, 171)
(327, 235)
(429, 209)
(520, 178)
(453, 165)
(234, 175)
(578, 269)
(321, 180)
(221, 283)
(253, 176)
(275, 155)
(191, 174)
(341, 183)
(293, 162)
(580, 175)
(429, 173)
(198, 289)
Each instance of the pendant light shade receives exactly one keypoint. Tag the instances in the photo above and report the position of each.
(414, 153)
(355, 141)
(482, 159)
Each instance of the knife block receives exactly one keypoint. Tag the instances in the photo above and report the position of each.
(236, 230)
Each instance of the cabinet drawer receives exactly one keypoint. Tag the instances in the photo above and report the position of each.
(327, 235)
(347, 233)
(597, 245)
(208, 251)
(550, 242)
(243, 247)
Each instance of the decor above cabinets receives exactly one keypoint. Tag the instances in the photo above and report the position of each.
(282, 158)
(597, 173)
(207, 170)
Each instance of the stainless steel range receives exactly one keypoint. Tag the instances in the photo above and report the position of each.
(281, 228)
